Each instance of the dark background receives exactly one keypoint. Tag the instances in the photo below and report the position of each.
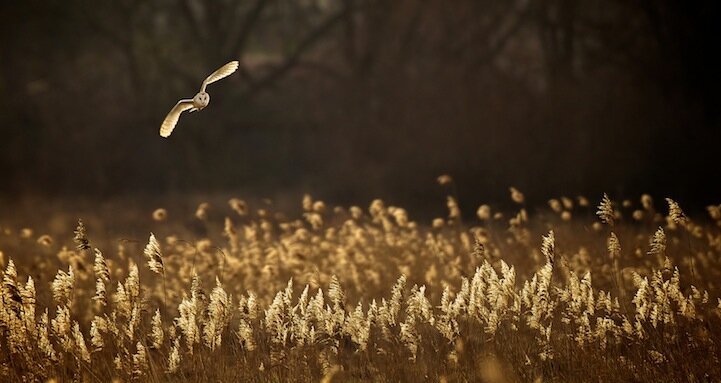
(356, 99)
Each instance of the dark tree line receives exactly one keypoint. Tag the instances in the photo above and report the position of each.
(357, 98)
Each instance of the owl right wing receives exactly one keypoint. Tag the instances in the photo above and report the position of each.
(172, 118)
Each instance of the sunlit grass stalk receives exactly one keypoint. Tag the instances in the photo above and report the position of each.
(155, 263)
(678, 217)
(607, 214)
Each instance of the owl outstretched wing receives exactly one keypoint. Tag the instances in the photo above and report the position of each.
(224, 71)
(172, 118)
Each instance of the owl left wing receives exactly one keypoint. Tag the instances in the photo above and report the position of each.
(223, 72)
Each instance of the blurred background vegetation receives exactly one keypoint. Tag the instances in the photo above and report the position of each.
(355, 99)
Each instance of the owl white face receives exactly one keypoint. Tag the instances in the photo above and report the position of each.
(201, 100)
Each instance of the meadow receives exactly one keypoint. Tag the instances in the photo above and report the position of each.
(578, 290)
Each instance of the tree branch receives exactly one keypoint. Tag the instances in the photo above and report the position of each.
(236, 44)
(198, 29)
(500, 42)
(292, 59)
(412, 29)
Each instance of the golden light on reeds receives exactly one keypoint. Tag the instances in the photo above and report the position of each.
(334, 294)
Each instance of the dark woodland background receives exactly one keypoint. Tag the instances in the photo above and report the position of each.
(356, 99)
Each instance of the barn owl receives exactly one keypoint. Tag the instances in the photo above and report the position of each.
(199, 102)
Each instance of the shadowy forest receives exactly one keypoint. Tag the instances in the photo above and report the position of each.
(355, 99)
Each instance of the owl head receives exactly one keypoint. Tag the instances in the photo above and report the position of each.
(201, 100)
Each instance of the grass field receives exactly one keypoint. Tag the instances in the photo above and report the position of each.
(575, 291)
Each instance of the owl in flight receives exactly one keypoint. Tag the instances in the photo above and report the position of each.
(199, 102)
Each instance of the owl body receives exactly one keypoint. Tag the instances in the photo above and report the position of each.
(198, 102)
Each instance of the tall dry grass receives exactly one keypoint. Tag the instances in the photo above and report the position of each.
(352, 294)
